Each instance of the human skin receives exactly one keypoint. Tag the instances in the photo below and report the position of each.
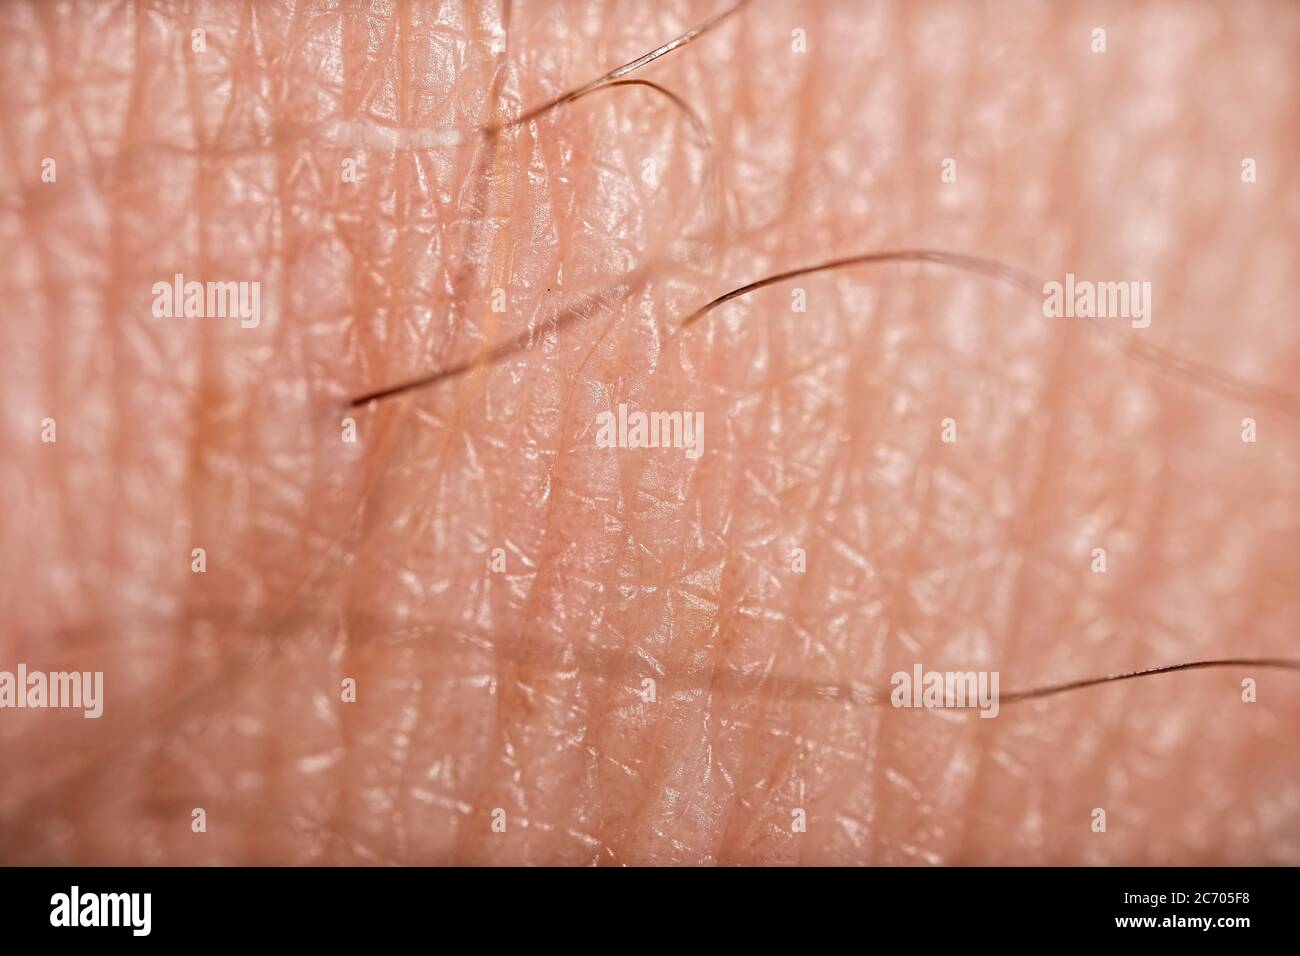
(522, 690)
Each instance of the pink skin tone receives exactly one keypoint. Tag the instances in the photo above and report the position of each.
(521, 690)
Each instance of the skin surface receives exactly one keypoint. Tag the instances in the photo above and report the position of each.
(522, 689)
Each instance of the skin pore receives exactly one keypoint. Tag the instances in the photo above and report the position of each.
(514, 682)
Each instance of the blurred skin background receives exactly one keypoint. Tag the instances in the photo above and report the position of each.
(517, 684)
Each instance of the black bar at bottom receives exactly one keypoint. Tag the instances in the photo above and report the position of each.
(334, 906)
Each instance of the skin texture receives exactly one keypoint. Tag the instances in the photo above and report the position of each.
(522, 689)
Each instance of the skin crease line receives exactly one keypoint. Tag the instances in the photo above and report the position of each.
(1287, 402)
(483, 688)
